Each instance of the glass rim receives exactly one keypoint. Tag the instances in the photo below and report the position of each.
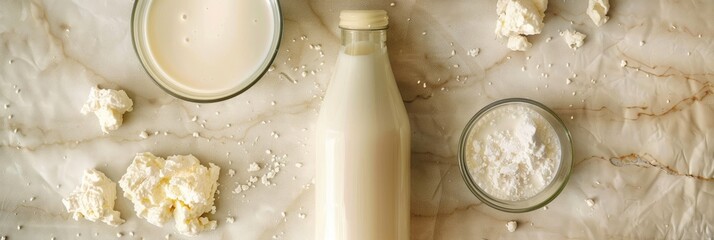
(158, 79)
(564, 166)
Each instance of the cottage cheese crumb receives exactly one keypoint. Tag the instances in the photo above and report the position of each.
(511, 226)
(143, 135)
(253, 167)
(597, 10)
(518, 18)
(94, 199)
(574, 39)
(230, 219)
(473, 52)
(178, 187)
(109, 106)
(590, 202)
(518, 43)
(623, 63)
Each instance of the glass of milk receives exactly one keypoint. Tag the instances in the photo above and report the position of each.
(207, 50)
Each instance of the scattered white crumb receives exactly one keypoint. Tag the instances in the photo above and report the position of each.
(143, 135)
(511, 226)
(194, 118)
(642, 43)
(568, 81)
(230, 219)
(302, 215)
(623, 63)
(231, 172)
(299, 165)
(473, 52)
(195, 134)
(131, 233)
(119, 234)
(283, 214)
(253, 167)
(590, 202)
(574, 39)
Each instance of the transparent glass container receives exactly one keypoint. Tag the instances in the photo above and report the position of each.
(551, 191)
(139, 19)
(362, 182)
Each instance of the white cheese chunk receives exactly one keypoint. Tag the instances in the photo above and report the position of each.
(109, 106)
(518, 43)
(511, 226)
(178, 187)
(597, 10)
(94, 199)
(574, 39)
(517, 18)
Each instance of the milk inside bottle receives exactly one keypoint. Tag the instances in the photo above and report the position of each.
(363, 139)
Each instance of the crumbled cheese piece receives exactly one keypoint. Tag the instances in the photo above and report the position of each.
(590, 202)
(143, 134)
(94, 199)
(511, 226)
(597, 10)
(568, 81)
(231, 172)
(519, 18)
(299, 165)
(302, 215)
(119, 234)
(518, 43)
(253, 167)
(623, 63)
(109, 106)
(230, 219)
(574, 39)
(473, 52)
(178, 187)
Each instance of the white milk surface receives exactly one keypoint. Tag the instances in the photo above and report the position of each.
(209, 46)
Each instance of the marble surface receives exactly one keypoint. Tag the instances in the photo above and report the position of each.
(641, 132)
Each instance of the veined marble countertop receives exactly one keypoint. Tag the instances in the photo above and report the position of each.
(643, 133)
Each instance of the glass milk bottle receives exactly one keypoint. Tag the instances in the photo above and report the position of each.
(363, 140)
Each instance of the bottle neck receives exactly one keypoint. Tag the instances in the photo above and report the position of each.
(362, 42)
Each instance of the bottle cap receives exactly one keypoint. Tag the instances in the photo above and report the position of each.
(364, 19)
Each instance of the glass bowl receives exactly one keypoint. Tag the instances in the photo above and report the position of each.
(140, 14)
(550, 191)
